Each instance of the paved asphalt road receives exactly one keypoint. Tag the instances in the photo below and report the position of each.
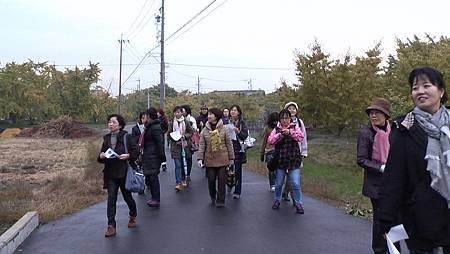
(187, 223)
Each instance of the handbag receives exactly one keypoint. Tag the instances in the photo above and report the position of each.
(249, 142)
(134, 181)
(231, 177)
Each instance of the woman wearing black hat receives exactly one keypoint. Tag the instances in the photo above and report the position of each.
(372, 153)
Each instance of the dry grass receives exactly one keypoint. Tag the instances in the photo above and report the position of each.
(52, 176)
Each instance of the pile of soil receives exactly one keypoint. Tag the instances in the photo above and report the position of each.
(10, 132)
(63, 127)
(28, 132)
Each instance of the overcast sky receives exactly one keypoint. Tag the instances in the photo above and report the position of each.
(240, 33)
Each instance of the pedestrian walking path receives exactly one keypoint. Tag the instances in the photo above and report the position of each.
(187, 223)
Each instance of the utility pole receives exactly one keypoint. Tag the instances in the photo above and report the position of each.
(120, 76)
(139, 84)
(162, 84)
(198, 84)
(250, 84)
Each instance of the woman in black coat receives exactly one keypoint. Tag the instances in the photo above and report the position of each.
(153, 156)
(416, 180)
(115, 170)
(241, 131)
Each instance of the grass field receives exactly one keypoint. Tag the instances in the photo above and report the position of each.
(329, 173)
(57, 177)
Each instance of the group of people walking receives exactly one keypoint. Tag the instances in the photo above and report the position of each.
(406, 161)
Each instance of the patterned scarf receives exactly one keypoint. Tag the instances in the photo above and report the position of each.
(215, 140)
(380, 150)
(179, 125)
(438, 149)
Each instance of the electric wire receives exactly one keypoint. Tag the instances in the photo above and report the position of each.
(189, 28)
(189, 21)
(137, 16)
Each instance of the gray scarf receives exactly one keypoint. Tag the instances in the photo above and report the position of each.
(438, 150)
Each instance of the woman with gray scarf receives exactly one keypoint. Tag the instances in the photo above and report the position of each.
(416, 180)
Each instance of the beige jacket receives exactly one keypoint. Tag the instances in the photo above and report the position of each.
(221, 157)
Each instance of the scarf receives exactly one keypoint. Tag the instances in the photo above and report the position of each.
(141, 127)
(380, 149)
(438, 149)
(179, 125)
(215, 140)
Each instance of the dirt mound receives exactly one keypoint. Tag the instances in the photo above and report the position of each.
(63, 127)
(10, 132)
(28, 132)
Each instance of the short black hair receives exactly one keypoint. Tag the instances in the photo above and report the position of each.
(119, 118)
(284, 112)
(216, 112)
(187, 108)
(435, 77)
(237, 108)
(152, 113)
(272, 119)
(176, 108)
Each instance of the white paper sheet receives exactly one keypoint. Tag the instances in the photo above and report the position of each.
(394, 235)
(176, 135)
(110, 154)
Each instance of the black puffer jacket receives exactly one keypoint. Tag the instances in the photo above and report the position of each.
(115, 168)
(406, 188)
(154, 153)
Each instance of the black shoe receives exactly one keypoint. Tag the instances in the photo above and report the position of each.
(285, 197)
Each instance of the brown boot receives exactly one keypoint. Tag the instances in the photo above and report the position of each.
(132, 222)
(110, 231)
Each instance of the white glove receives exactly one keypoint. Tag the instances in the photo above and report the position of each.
(200, 163)
(231, 162)
(382, 168)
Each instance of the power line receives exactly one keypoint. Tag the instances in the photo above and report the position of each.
(185, 31)
(137, 16)
(232, 67)
(139, 64)
(134, 33)
(189, 21)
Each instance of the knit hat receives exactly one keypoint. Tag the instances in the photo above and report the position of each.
(380, 104)
(291, 103)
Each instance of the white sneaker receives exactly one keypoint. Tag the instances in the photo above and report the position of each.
(272, 188)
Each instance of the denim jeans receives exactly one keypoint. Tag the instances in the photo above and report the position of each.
(238, 172)
(189, 168)
(178, 169)
(152, 182)
(113, 188)
(294, 175)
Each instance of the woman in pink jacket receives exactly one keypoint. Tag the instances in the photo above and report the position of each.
(285, 137)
